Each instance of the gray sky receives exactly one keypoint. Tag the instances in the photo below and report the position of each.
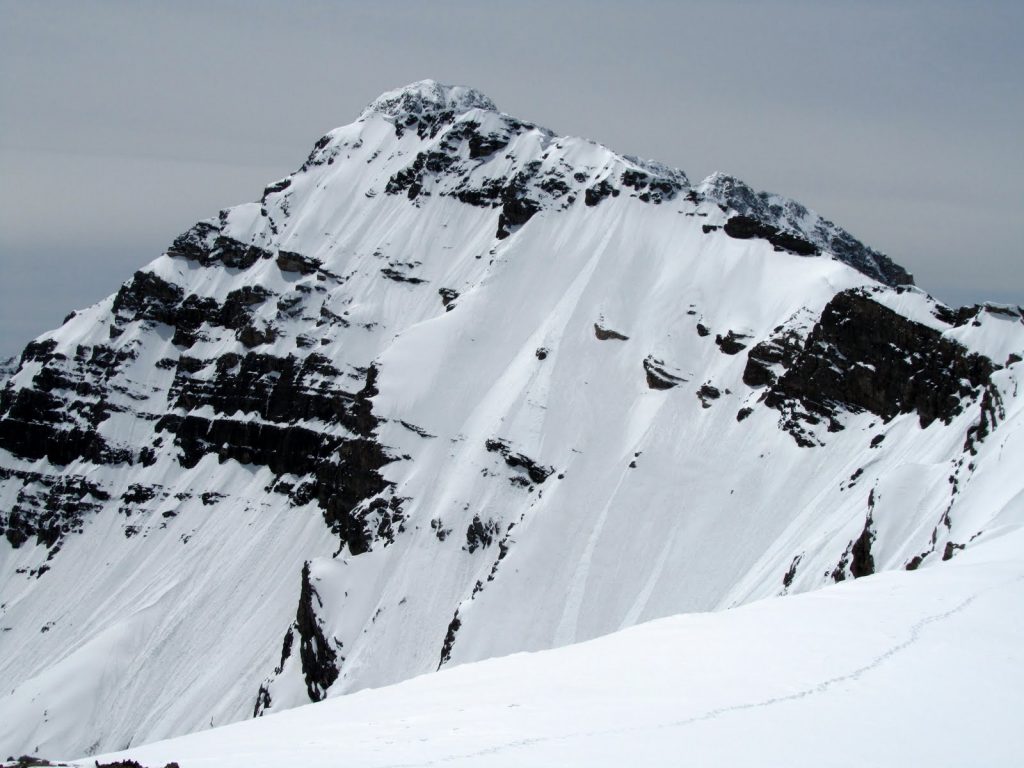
(122, 123)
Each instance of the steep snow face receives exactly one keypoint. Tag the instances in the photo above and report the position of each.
(897, 669)
(459, 387)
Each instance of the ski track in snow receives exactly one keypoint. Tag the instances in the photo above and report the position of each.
(566, 632)
(644, 596)
(822, 687)
(914, 635)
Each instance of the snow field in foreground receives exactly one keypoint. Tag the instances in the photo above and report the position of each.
(921, 668)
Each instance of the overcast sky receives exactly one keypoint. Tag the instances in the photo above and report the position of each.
(122, 123)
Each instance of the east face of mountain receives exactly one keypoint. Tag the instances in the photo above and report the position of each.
(457, 388)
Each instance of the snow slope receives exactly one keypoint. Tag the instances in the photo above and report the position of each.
(895, 669)
(460, 388)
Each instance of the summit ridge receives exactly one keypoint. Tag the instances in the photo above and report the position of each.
(428, 96)
(428, 108)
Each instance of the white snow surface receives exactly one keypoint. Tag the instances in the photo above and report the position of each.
(127, 640)
(895, 669)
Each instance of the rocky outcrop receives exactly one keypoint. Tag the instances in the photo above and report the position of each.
(449, 639)
(286, 413)
(746, 227)
(651, 188)
(400, 276)
(57, 415)
(598, 192)
(608, 334)
(779, 350)
(517, 206)
(707, 394)
(857, 560)
(148, 297)
(732, 343)
(480, 534)
(658, 377)
(205, 243)
(340, 471)
(862, 356)
(288, 261)
(320, 659)
(48, 507)
(537, 472)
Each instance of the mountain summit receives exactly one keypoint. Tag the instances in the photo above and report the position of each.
(428, 96)
(457, 388)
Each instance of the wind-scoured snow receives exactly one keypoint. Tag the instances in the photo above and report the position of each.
(460, 388)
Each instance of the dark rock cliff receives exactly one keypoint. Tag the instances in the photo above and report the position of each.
(862, 356)
(320, 660)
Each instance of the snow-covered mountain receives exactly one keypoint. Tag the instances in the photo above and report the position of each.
(457, 388)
